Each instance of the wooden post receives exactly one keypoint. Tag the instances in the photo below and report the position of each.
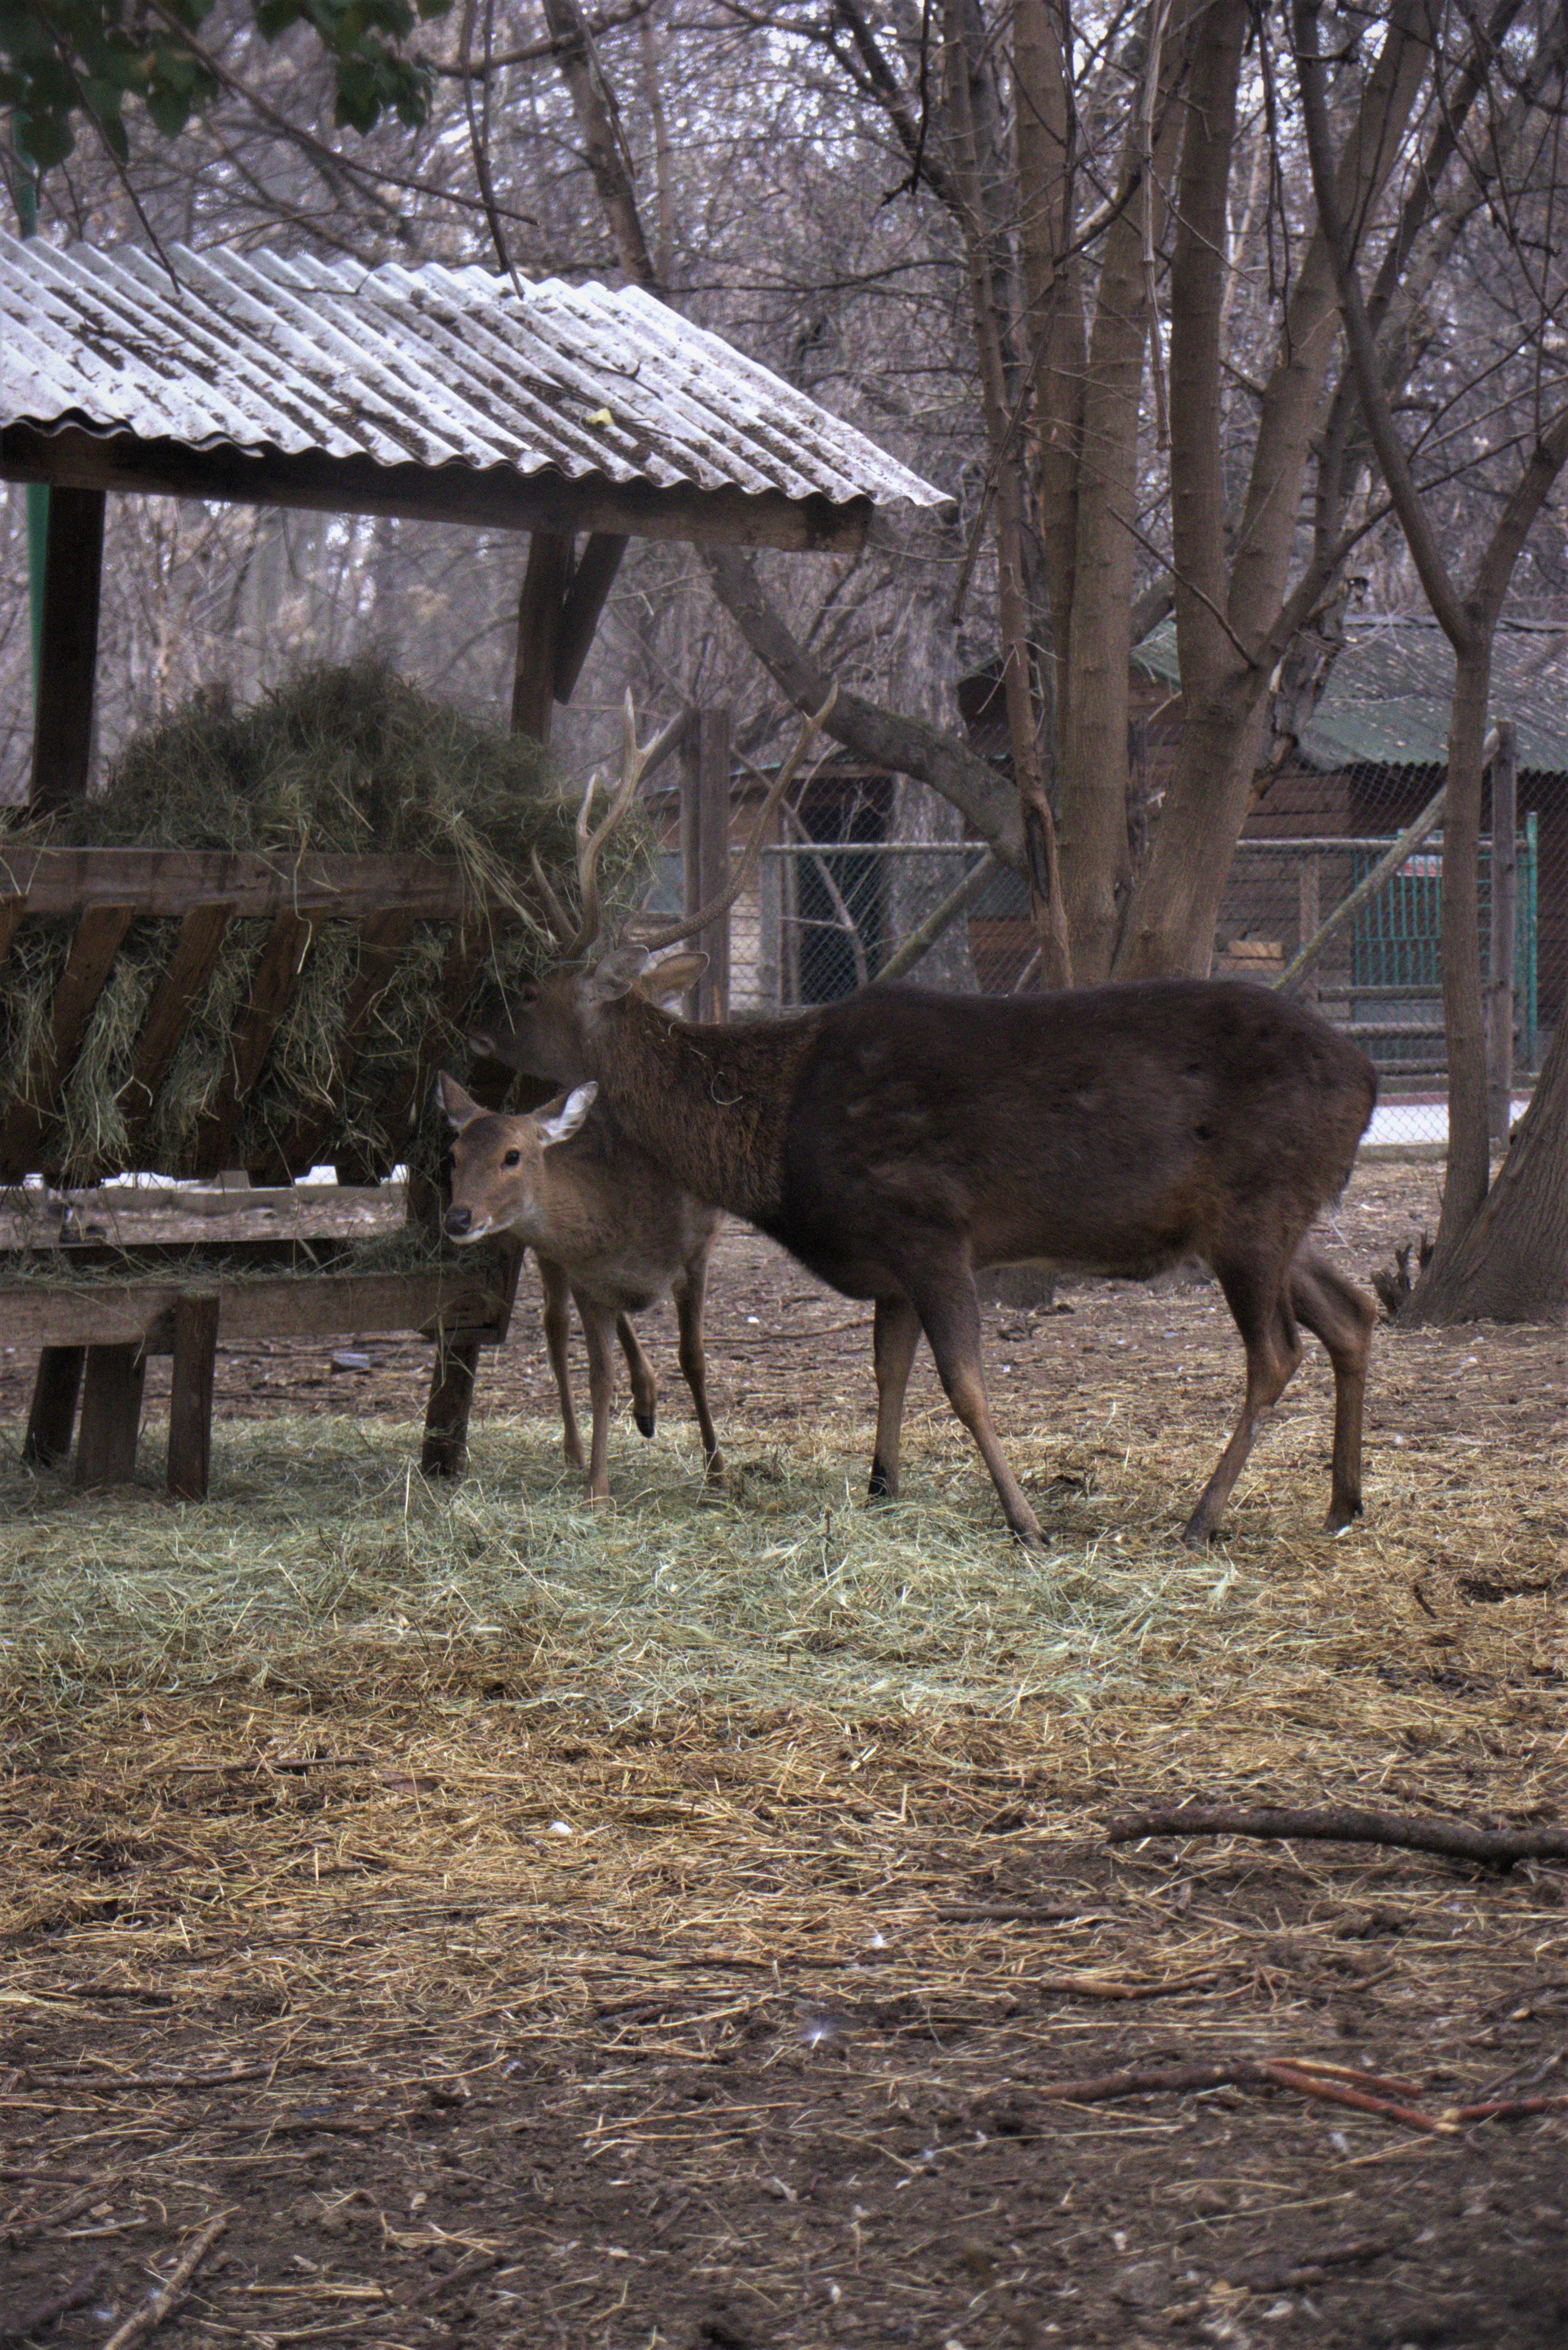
(73, 580)
(191, 1398)
(1311, 916)
(545, 580)
(111, 1415)
(1504, 914)
(53, 1414)
(705, 850)
(445, 1451)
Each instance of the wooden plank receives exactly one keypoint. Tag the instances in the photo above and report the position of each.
(546, 580)
(68, 663)
(168, 882)
(591, 583)
(493, 497)
(195, 1352)
(142, 1314)
(202, 934)
(272, 989)
(53, 1418)
(11, 912)
(111, 1415)
(705, 850)
(88, 966)
(382, 938)
(1504, 917)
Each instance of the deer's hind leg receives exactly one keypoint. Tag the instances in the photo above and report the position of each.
(895, 1335)
(1344, 1319)
(557, 1328)
(690, 1287)
(644, 1385)
(1257, 1299)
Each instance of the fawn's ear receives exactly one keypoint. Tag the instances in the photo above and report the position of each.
(672, 977)
(459, 1109)
(569, 1118)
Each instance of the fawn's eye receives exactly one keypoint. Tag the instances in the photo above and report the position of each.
(512, 1158)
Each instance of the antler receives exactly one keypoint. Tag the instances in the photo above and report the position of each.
(668, 933)
(576, 940)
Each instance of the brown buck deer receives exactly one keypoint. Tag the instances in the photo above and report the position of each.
(607, 1225)
(897, 1140)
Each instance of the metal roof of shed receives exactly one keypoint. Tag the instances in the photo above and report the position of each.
(1390, 691)
(430, 367)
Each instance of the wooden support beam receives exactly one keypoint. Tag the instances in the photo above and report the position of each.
(73, 579)
(111, 1415)
(191, 1397)
(1504, 917)
(705, 850)
(140, 1314)
(445, 1450)
(545, 580)
(53, 1418)
(591, 584)
(171, 881)
(272, 988)
(491, 497)
(88, 966)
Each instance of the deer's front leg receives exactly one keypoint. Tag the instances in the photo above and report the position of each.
(598, 1333)
(557, 1328)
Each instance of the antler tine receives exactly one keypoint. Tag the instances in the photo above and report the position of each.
(556, 914)
(635, 764)
(667, 935)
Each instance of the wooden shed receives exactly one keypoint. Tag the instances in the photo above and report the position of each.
(576, 416)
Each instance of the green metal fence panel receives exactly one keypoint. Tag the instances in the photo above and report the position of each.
(1396, 955)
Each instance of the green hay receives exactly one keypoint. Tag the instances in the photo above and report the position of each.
(350, 761)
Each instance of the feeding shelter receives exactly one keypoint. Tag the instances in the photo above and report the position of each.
(576, 416)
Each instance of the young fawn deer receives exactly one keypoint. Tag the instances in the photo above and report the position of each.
(607, 1225)
(899, 1141)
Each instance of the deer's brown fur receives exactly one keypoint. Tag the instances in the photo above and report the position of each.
(899, 1141)
(608, 1226)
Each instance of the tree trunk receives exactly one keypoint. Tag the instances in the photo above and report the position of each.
(1464, 1018)
(1512, 1265)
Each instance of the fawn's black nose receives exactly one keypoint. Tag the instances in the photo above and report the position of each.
(457, 1222)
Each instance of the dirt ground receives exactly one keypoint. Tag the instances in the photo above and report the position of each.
(467, 2020)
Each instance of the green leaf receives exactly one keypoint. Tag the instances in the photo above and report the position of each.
(50, 138)
(170, 109)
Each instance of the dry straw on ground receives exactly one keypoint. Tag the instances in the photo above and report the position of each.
(639, 1734)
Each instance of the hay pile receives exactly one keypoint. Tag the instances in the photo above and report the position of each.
(335, 761)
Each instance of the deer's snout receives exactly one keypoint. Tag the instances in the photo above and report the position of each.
(458, 1222)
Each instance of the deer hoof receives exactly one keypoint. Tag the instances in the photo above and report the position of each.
(645, 1421)
(883, 1485)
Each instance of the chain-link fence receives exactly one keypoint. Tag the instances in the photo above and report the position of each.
(1347, 921)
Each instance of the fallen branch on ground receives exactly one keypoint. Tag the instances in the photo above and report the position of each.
(162, 2303)
(1309, 2076)
(33, 2321)
(1497, 1847)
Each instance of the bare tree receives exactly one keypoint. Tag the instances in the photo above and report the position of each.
(1479, 1260)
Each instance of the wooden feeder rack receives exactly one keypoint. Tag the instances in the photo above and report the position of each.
(97, 1333)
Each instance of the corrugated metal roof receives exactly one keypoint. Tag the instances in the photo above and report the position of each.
(1389, 694)
(431, 366)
